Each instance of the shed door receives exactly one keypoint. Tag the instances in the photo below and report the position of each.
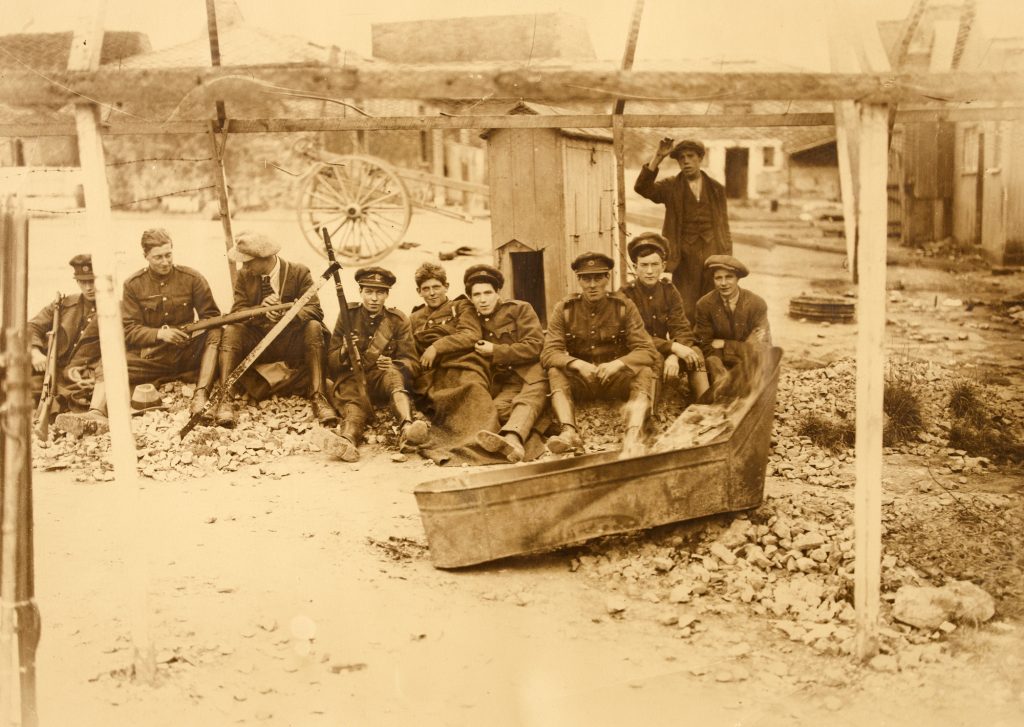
(589, 198)
(993, 216)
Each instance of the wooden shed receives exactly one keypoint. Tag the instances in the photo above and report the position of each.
(552, 198)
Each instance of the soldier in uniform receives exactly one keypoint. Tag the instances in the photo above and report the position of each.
(729, 320)
(596, 347)
(384, 340)
(512, 341)
(155, 302)
(267, 279)
(77, 338)
(696, 219)
(661, 308)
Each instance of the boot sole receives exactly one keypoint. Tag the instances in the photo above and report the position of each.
(336, 446)
(557, 446)
(416, 433)
(497, 444)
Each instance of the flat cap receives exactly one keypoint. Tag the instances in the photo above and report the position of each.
(691, 144)
(249, 245)
(483, 274)
(645, 244)
(375, 277)
(592, 262)
(82, 265)
(727, 262)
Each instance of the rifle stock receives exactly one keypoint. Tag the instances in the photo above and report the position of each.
(239, 315)
(48, 392)
(354, 359)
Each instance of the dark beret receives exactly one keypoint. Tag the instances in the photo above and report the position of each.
(645, 244)
(592, 262)
(82, 265)
(375, 277)
(727, 262)
(691, 144)
(483, 274)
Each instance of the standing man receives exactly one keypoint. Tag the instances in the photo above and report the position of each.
(266, 279)
(155, 302)
(385, 345)
(596, 348)
(512, 341)
(77, 338)
(729, 320)
(661, 309)
(696, 219)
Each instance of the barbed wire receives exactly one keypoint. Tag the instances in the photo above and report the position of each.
(159, 159)
(126, 203)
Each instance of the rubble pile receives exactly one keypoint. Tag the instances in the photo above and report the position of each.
(830, 392)
(790, 561)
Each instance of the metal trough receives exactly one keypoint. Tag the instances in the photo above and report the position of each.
(532, 508)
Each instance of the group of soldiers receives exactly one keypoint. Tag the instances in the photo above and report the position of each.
(598, 344)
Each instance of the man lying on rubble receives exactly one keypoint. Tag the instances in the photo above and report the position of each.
(661, 308)
(384, 341)
(512, 341)
(76, 339)
(729, 321)
(155, 302)
(264, 280)
(596, 348)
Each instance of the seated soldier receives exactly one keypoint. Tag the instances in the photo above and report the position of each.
(728, 320)
(156, 301)
(661, 308)
(76, 338)
(596, 347)
(384, 341)
(445, 332)
(266, 279)
(512, 340)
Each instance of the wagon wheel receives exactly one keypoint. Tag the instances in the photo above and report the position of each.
(362, 203)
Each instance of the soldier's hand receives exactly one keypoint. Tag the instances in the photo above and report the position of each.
(484, 347)
(584, 368)
(38, 361)
(385, 362)
(671, 370)
(686, 354)
(428, 357)
(665, 146)
(173, 336)
(607, 370)
(272, 299)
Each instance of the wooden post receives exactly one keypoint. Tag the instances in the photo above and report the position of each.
(218, 142)
(85, 53)
(619, 142)
(211, 30)
(437, 165)
(871, 255)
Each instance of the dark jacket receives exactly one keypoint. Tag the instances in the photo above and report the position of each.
(611, 325)
(661, 309)
(518, 338)
(294, 280)
(670, 192)
(386, 334)
(78, 340)
(453, 330)
(715, 320)
(150, 302)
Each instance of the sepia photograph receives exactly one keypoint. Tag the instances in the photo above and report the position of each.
(512, 363)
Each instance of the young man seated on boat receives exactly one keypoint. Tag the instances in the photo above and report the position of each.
(731, 323)
(511, 342)
(661, 308)
(596, 347)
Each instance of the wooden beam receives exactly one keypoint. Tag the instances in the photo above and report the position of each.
(183, 87)
(871, 298)
(85, 52)
(619, 144)
(523, 121)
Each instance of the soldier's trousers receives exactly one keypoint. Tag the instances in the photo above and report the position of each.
(381, 384)
(623, 385)
(519, 403)
(165, 362)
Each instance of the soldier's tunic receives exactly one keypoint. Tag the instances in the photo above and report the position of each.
(151, 301)
(78, 343)
(661, 309)
(453, 329)
(599, 332)
(385, 334)
(517, 377)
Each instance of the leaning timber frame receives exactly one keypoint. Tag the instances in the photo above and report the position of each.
(863, 91)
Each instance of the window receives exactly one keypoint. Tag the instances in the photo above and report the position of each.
(970, 150)
(768, 157)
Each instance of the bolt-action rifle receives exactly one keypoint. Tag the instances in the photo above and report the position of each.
(354, 359)
(47, 396)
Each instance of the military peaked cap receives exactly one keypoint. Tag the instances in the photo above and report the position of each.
(375, 277)
(82, 265)
(592, 262)
(645, 244)
(483, 274)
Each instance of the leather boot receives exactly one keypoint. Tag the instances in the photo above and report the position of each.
(207, 370)
(507, 443)
(635, 415)
(225, 415)
(98, 402)
(340, 443)
(323, 412)
(414, 433)
(567, 440)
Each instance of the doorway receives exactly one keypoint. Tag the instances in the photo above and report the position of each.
(528, 280)
(737, 162)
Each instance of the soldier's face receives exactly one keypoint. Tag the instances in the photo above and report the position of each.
(484, 297)
(373, 298)
(689, 163)
(88, 288)
(160, 259)
(649, 268)
(433, 292)
(726, 282)
(593, 285)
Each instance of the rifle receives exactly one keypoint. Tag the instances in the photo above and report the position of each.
(49, 390)
(354, 359)
(239, 315)
(236, 373)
